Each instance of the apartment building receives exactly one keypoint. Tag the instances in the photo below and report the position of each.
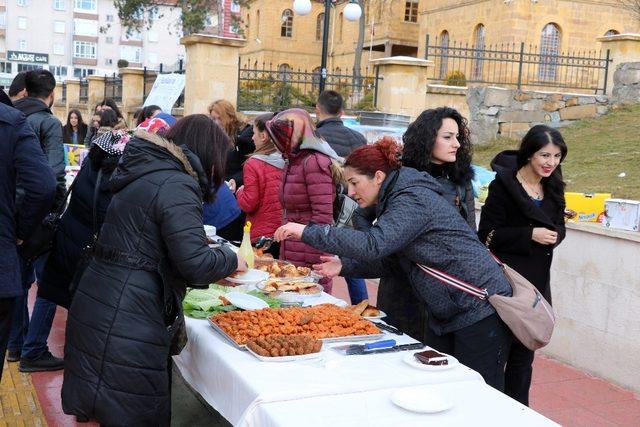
(76, 38)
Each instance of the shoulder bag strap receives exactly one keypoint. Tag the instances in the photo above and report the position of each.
(63, 205)
(96, 192)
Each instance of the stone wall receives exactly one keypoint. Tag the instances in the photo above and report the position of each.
(497, 111)
(626, 83)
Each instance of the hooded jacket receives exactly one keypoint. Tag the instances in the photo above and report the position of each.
(117, 344)
(341, 138)
(415, 224)
(509, 217)
(48, 129)
(259, 197)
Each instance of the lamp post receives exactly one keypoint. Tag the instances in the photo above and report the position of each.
(352, 12)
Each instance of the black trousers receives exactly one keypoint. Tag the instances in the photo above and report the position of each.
(517, 376)
(482, 346)
(6, 313)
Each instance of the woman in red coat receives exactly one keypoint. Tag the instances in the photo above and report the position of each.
(259, 197)
(308, 190)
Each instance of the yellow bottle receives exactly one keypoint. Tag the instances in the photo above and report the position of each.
(246, 250)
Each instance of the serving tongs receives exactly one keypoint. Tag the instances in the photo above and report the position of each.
(388, 328)
(263, 243)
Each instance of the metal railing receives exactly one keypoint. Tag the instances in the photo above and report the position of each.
(517, 65)
(150, 78)
(113, 87)
(84, 90)
(64, 91)
(265, 88)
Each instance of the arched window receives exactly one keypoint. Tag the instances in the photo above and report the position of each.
(444, 51)
(319, 26)
(284, 72)
(258, 23)
(549, 50)
(286, 25)
(478, 51)
(248, 32)
(340, 26)
(611, 33)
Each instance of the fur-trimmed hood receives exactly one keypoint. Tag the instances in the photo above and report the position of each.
(147, 153)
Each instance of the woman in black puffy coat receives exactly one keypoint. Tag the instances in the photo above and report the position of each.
(117, 352)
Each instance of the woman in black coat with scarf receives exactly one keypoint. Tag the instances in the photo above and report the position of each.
(151, 246)
(522, 221)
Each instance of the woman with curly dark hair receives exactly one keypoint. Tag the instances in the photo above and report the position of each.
(437, 142)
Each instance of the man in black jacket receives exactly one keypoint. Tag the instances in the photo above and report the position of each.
(21, 160)
(343, 140)
(28, 340)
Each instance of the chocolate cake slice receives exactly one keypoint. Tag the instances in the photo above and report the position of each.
(432, 357)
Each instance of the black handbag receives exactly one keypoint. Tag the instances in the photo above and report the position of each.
(41, 240)
(86, 253)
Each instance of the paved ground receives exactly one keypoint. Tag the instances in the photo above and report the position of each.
(564, 394)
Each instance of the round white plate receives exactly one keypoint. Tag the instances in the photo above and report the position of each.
(410, 360)
(245, 301)
(251, 276)
(378, 317)
(425, 400)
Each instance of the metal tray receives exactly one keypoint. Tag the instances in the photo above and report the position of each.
(350, 338)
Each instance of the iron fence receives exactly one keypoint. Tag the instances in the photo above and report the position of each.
(113, 87)
(265, 88)
(64, 91)
(84, 90)
(517, 65)
(150, 78)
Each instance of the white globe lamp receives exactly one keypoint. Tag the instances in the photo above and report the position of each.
(352, 11)
(302, 7)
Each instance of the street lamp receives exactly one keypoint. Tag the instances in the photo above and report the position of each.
(352, 12)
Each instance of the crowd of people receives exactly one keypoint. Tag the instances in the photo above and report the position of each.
(129, 238)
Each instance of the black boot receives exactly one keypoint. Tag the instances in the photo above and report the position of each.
(46, 362)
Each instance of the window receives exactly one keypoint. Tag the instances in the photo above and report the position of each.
(28, 67)
(152, 36)
(109, 40)
(58, 49)
(109, 18)
(59, 4)
(340, 25)
(58, 70)
(258, 24)
(86, 5)
(135, 35)
(82, 72)
(152, 57)
(611, 33)
(319, 26)
(235, 6)
(85, 50)
(444, 50)
(286, 23)
(248, 32)
(58, 27)
(131, 53)
(549, 49)
(23, 3)
(284, 72)
(22, 44)
(478, 52)
(108, 61)
(85, 27)
(22, 22)
(411, 11)
(5, 67)
(3, 19)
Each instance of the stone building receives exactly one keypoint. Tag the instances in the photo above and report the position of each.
(277, 36)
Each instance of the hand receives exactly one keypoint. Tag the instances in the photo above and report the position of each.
(290, 230)
(544, 236)
(240, 189)
(330, 268)
(19, 242)
(242, 264)
(232, 185)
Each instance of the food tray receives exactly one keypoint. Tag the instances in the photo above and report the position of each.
(309, 356)
(350, 338)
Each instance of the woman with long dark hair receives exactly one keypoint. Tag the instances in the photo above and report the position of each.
(75, 130)
(151, 246)
(414, 224)
(522, 221)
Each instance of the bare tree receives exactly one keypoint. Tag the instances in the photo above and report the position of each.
(632, 6)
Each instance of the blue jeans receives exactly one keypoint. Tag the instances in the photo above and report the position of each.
(357, 290)
(30, 336)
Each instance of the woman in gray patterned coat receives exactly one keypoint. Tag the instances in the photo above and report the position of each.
(415, 224)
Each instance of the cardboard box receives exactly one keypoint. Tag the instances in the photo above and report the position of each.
(588, 206)
(622, 214)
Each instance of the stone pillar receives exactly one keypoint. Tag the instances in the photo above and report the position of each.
(211, 71)
(403, 87)
(133, 89)
(95, 90)
(622, 48)
(73, 94)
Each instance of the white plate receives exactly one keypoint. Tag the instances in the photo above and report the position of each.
(410, 360)
(245, 301)
(378, 317)
(425, 400)
(287, 358)
(251, 276)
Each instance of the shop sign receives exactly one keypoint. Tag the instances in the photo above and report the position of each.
(19, 56)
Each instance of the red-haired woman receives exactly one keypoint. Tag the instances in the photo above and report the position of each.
(415, 224)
